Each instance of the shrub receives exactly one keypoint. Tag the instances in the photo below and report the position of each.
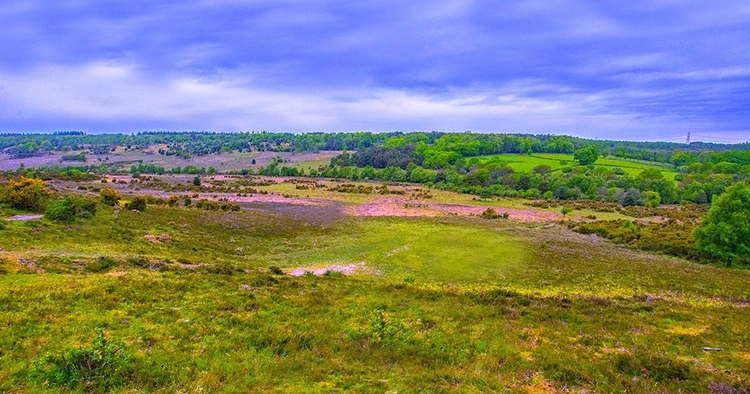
(490, 213)
(101, 264)
(138, 203)
(276, 270)
(566, 210)
(71, 207)
(100, 367)
(110, 196)
(26, 193)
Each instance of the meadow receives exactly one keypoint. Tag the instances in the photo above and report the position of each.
(556, 161)
(178, 299)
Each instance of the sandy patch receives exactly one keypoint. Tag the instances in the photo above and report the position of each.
(349, 269)
(394, 206)
(24, 217)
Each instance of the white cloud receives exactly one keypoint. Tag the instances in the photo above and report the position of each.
(112, 93)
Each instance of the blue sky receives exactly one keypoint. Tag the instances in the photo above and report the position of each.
(600, 69)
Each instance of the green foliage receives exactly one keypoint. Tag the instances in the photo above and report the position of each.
(586, 156)
(382, 329)
(71, 207)
(197, 181)
(138, 203)
(26, 193)
(725, 232)
(101, 366)
(101, 264)
(110, 196)
(566, 210)
(490, 213)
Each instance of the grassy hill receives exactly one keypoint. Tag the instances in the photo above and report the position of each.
(452, 304)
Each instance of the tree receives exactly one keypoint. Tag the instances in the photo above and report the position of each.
(197, 181)
(566, 210)
(542, 169)
(725, 231)
(586, 156)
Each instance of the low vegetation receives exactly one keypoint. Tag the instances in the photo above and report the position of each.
(187, 283)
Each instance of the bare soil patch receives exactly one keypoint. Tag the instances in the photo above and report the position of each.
(348, 269)
(24, 217)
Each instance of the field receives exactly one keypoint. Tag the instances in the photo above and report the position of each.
(433, 299)
(526, 163)
(224, 162)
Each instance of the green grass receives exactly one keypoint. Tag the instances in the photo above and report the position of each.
(461, 305)
(526, 163)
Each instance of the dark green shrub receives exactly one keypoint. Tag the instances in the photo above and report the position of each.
(103, 263)
(276, 270)
(71, 207)
(138, 203)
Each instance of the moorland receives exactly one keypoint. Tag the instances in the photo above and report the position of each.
(360, 262)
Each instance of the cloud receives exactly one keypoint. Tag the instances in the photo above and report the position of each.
(649, 69)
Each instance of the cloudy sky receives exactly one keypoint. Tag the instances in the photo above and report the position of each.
(633, 69)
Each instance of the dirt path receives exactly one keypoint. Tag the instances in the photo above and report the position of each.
(24, 217)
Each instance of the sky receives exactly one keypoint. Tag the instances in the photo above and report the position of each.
(635, 70)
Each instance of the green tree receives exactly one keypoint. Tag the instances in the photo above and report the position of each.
(586, 156)
(725, 231)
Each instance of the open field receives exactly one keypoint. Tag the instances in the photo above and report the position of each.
(435, 298)
(526, 163)
(224, 162)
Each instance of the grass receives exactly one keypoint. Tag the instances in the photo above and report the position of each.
(461, 305)
(526, 163)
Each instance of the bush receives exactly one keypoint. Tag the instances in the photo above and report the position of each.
(26, 193)
(110, 196)
(489, 213)
(101, 264)
(138, 203)
(71, 207)
(100, 367)
(276, 270)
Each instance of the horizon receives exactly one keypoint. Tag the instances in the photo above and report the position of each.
(84, 132)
